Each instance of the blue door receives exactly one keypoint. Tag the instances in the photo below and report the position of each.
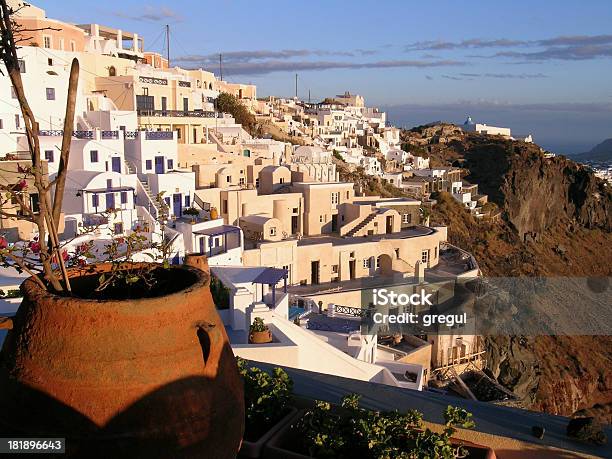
(116, 164)
(110, 200)
(177, 204)
(159, 164)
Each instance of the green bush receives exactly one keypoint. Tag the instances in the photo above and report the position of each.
(357, 432)
(266, 398)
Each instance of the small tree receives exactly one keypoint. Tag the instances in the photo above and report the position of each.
(47, 258)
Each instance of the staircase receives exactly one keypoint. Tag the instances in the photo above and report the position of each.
(366, 221)
(149, 201)
(129, 167)
(152, 200)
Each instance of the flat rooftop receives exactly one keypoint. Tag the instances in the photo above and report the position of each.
(415, 231)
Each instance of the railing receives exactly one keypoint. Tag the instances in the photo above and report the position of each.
(184, 84)
(83, 134)
(110, 134)
(60, 133)
(179, 113)
(152, 80)
(348, 310)
(159, 135)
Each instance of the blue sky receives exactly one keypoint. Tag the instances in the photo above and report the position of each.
(542, 67)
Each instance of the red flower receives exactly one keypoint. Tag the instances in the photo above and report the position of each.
(65, 255)
(35, 247)
(120, 240)
(3, 243)
(21, 185)
(82, 262)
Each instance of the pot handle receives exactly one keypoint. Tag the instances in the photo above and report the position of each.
(209, 336)
(6, 323)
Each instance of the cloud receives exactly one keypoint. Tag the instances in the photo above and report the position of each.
(564, 53)
(231, 57)
(151, 13)
(517, 76)
(429, 77)
(464, 44)
(263, 62)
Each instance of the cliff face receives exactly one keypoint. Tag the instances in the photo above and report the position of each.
(538, 193)
(556, 222)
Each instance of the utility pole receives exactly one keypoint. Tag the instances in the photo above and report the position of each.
(168, 42)
(221, 66)
(296, 83)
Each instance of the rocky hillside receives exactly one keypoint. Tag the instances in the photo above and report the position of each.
(600, 153)
(556, 222)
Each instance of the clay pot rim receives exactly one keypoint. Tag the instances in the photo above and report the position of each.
(35, 292)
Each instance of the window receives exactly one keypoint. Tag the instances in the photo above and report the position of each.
(72, 45)
(407, 218)
(335, 269)
(145, 102)
(282, 180)
(335, 198)
(241, 180)
(170, 164)
(124, 197)
(224, 206)
(34, 203)
(321, 219)
(377, 263)
(435, 252)
(50, 61)
(257, 183)
(1, 124)
(397, 252)
(13, 92)
(50, 93)
(149, 164)
(17, 123)
(425, 256)
(112, 71)
(145, 91)
(366, 263)
(272, 231)
(187, 201)
(228, 179)
(49, 155)
(61, 44)
(93, 156)
(22, 66)
(95, 201)
(109, 184)
(47, 41)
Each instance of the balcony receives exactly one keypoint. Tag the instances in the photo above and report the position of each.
(179, 113)
(159, 135)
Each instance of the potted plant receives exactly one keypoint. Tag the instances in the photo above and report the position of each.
(267, 401)
(214, 213)
(259, 333)
(350, 431)
(193, 213)
(126, 358)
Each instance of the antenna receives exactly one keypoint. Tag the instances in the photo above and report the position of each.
(221, 66)
(296, 85)
(309, 96)
(168, 42)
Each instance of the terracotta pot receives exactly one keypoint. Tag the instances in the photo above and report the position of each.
(260, 337)
(214, 213)
(151, 377)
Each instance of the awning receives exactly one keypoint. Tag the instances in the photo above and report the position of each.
(270, 276)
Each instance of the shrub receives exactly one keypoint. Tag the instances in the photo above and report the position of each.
(266, 398)
(357, 432)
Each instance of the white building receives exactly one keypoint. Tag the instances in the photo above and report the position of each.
(470, 126)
